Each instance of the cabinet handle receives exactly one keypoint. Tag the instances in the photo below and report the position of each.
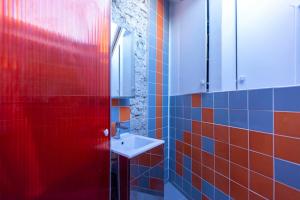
(203, 83)
(242, 79)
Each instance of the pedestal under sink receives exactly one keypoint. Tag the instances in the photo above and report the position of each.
(137, 167)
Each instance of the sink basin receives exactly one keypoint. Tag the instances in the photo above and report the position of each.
(130, 145)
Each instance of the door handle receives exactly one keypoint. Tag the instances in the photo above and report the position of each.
(106, 132)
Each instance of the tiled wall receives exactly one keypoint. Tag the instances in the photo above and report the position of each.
(241, 144)
(158, 72)
(147, 174)
(120, 112)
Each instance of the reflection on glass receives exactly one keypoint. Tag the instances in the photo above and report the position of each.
(122, 62)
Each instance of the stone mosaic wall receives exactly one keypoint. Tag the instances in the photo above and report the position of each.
(133, 16)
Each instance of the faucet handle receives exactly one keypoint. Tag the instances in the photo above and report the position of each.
(119, 125)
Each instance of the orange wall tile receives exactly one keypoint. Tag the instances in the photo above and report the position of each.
(124, 114)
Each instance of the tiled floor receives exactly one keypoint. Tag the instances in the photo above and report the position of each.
(172, 193)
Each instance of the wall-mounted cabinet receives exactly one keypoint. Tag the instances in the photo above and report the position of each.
(122, 63)
(267, 43)
(187, 46)
(251, 44)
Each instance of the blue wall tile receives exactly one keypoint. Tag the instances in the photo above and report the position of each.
(151, 133)
(151, 124)
(196, 114)
(187, 162)
(124, 102)
(165, 80)
(187, 101)
(187, 188)
(172, 101)
(208, 189)
(221, 116)
(172, 176)
(172, 165)
(179, 101)
(152, 27)
(179, 135)
(238, 118)
(238, 100)
(179, 124)
(287, 173)
(152, 64)
(156, 172)
(221, 100)
(152, 52)
(172, 145)
(172, 135)
(208, 100)
(152, 76)
(152, 43)
(179, 112)
(187, 112)
(166, 9)
(166, 69)
(152, 112)
(165, 122)
(187, 175)
(165, 135)
(178, 180)
(196, 194)
(151, 100)
(208, 145)
(151, 88)
(188, 125)
(166, 100)
(261, 121)
(165, 62)
(172, 122)
(287, 99)
(219, 195)
(165, 111)
(261, 99)
(114, 114)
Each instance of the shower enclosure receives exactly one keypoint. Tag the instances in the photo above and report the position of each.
(54, 99)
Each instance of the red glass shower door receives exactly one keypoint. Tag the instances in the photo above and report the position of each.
(54, 99)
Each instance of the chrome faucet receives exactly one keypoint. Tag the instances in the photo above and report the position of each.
(119, 126)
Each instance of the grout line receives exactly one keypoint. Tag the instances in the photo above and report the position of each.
(290, 162)
(229, 154)
(248, 150)
(290, 187)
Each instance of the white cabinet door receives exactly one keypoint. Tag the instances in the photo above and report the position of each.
(266, 43)
(222, 45)
(188, 42)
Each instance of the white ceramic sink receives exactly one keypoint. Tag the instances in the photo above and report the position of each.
(130, 145)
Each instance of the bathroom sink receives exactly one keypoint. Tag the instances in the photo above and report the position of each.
(130, 145)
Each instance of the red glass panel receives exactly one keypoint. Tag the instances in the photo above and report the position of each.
(54, 99)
